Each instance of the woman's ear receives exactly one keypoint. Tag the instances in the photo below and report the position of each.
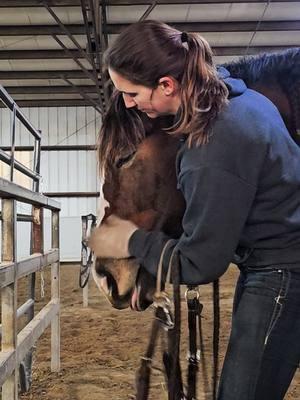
(168, 84)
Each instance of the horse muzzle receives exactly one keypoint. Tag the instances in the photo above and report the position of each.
(124, 283)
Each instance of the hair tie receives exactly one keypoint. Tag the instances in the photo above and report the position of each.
(184, 37)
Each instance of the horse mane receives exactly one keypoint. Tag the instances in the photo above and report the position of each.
(265, 66)
(283, 69)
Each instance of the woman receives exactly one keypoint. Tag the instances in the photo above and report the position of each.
(238, 170)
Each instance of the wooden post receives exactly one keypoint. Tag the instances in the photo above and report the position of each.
(55, 290)
(9, 295)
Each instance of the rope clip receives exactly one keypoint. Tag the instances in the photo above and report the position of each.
(163, 312)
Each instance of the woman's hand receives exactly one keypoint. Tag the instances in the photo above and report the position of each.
(110, 239)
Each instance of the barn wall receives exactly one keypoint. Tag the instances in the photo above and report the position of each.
(62, 171)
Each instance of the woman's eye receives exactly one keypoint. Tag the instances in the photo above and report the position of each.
(124, 160)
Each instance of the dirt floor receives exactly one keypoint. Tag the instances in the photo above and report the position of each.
(101, 347)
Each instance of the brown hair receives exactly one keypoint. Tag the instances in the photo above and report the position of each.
(121, 131)
(149, 50)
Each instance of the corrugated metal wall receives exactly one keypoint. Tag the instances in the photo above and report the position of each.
(62, 171)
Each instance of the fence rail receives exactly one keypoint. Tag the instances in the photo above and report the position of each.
(16, 346)
(17, 192)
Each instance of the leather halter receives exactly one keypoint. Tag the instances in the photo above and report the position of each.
(86, 260)
(167, 321)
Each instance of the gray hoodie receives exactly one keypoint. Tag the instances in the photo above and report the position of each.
(242, 193)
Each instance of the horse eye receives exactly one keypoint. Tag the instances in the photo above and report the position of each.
(124, 160)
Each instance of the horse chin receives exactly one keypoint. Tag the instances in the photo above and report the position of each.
(142, 296)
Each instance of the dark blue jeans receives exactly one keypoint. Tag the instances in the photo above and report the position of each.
(264, 347)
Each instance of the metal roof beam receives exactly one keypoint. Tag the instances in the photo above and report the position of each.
(237, 26)
(37, 54)
(31, 30)
(50, 89)
(72, 3)
(52, 103)
(59, 74)
(61, 54)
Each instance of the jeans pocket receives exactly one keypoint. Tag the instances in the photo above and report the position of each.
(278, 302)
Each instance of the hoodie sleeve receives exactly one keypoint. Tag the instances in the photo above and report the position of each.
(217, 206)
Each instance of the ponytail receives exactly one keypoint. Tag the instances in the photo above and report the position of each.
(203, 93)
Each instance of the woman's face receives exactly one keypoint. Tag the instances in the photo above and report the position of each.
(162, 100)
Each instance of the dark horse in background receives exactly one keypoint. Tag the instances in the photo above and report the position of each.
(140, 183)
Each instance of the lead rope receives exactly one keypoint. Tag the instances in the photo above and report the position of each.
(86, 262)
(216, 335)
(194, 314)
(164, 321)
(143, 374)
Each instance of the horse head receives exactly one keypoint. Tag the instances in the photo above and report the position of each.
(140, 187)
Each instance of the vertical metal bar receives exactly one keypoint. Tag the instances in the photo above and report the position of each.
(37, 162)
(103, 27)
(84, 259)
(87, 27)
(95, 25)
(9, 295)
(55, 290)
(104, 45)
(97, 32)
(13, 139)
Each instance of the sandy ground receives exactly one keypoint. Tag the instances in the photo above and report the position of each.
(101, 347)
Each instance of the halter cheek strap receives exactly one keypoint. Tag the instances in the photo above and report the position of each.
(160, 267)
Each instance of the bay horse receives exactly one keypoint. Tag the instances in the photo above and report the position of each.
(140, 180)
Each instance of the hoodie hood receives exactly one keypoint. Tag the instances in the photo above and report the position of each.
(236, 87)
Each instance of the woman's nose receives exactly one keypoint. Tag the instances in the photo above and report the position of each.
(129, 101)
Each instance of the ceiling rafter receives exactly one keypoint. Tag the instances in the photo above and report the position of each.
(74, 3)
(237, 26)
(50, 89)
(220, 26)
(94, 74)
(58, 74)
(61, 54)
(51, 103)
